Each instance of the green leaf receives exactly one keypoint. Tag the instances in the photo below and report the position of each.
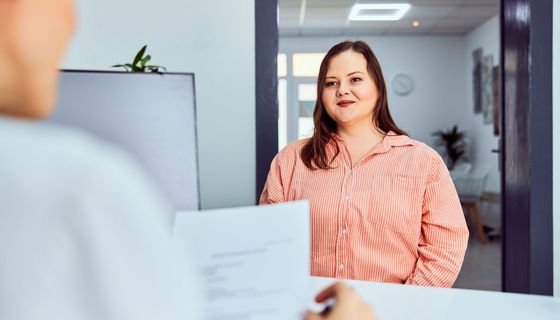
(154, 68)
(121, 66)
(139, 55)
(145, 60)
(139, 64)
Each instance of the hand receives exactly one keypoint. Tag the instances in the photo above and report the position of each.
(348, 305)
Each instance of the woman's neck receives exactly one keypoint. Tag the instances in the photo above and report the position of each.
(359, 140)
(360, 133)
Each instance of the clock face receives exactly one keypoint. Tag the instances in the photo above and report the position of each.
(402, 84)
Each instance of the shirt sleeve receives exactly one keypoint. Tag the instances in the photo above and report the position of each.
(273, 191)
(444, 235)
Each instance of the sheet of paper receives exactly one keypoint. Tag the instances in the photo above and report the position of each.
(254, 261)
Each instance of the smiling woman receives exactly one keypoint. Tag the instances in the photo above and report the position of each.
(383, 206)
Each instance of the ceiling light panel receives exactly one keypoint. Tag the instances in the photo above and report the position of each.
(378, 11)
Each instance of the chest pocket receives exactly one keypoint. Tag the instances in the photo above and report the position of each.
(396, 203)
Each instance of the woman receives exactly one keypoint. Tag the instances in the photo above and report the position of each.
(383, 206)
(84, 234)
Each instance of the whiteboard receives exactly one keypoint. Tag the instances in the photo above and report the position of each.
(150, 115)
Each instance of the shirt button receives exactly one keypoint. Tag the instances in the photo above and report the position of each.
(347, 198)
(341, 266)
(344, 231)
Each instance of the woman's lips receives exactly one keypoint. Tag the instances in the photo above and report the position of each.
(345, 103)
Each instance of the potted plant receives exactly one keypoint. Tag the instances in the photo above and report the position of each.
(454, 145)
(140, 63)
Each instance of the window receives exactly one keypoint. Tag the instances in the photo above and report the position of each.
(307, 94)
(282, 65)
(306, 64)
(282, 113)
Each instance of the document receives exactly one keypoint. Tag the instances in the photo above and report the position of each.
(254, 261)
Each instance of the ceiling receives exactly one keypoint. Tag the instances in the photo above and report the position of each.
(436, 17)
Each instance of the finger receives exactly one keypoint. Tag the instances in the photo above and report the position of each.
(312, 316)
(332, 291)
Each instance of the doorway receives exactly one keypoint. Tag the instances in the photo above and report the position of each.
(526, 105)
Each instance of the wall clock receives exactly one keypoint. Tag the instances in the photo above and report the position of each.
(402, 84)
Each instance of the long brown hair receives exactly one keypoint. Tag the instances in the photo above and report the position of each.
(313, 153)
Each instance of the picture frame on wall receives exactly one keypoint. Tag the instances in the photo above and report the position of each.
(487, 90)
(477, 80)
(496, 98)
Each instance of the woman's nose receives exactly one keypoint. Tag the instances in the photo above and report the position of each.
(342, 90)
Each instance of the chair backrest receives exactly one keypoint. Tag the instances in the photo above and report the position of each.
(471, 184)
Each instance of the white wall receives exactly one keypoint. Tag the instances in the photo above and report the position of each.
(556, 145)
(213, 39)
(487, 37)
(436, 65)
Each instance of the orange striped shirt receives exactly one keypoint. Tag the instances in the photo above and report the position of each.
(393, 217)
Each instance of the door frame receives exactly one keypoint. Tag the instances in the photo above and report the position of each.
(527, 215)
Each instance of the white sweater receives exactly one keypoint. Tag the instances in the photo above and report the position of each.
(83, 232)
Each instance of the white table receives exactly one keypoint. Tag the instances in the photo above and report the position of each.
(395, 301)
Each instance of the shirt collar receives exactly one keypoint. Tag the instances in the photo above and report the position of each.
(394, 140)
(390, 140)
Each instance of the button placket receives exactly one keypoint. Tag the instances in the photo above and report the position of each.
(350, 185)
(343, 243)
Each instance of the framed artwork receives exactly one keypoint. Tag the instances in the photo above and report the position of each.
(487, 90)
(477, 80)
(496, 98)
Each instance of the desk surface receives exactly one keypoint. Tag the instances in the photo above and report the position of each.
(394, 302)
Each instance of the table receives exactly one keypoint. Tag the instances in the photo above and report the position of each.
(396, 301)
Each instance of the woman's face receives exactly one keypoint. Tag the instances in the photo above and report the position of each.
(349, 93)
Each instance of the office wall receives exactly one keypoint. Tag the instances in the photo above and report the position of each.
(213, 39)
(436, 64)
(556, 145)
(487, 37)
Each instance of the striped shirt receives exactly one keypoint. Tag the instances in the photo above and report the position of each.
(394, 216)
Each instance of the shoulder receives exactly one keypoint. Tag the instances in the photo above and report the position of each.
(294, 146)
(412, 155)
(433, 162)
(414, 146)
(426, 150)
(65, 163)
(291, 152)
(58, 146)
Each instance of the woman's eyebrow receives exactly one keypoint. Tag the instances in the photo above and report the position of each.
(351, 73)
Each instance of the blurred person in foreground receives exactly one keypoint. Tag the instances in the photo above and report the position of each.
(84, 234)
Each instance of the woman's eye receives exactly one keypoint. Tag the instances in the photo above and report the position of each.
(356, 79)
(330, 84)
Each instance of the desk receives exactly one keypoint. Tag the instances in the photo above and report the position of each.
(395, 302)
